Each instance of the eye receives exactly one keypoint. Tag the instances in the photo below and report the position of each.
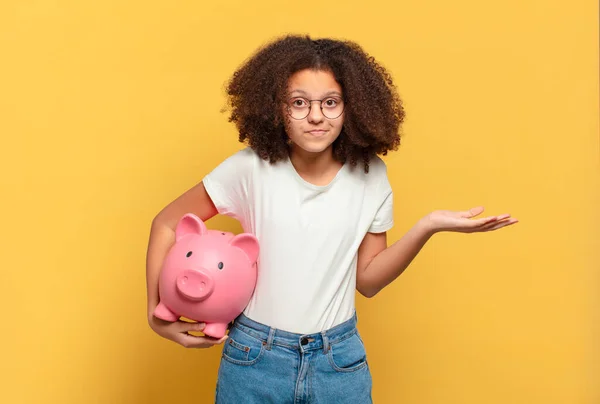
(299, 103)
(188, 254)
(331, 102)
(220, 265)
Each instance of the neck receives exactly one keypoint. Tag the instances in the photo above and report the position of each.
(313, 164)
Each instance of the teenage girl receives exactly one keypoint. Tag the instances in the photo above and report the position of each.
(315, 115)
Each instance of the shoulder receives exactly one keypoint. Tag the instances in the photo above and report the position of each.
(237, 165)
(377, 171)
(243, 159)
(376, 181)
(246, 154)
(377, 167)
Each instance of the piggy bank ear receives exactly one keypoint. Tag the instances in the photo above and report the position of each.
(247, 243)
(189, 224)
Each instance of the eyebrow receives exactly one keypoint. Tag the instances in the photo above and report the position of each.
(328, 93)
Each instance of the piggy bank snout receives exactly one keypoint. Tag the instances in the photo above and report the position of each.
(195, 284)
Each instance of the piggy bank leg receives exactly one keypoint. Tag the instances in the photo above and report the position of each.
(215, 330)
(164, 313)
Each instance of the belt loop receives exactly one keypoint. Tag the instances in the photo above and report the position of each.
(270, 338)
(325, 342)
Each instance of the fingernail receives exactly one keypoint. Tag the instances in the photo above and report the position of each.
(201, 325)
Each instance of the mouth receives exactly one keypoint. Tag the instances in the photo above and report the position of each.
(317, 132)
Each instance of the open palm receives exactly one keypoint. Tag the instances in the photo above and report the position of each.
(464, 222)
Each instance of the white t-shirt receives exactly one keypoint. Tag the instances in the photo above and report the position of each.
(309, 235)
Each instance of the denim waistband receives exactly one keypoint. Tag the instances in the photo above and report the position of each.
(319, 340)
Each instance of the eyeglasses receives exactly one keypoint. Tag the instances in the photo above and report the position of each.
(299, 108)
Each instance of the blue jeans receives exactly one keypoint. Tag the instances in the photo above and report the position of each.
(260, 364)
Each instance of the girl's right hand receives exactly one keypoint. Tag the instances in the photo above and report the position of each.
(178, 332)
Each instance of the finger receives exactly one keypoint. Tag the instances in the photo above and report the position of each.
(476, 223)
(185, 326)
(472, 212)
(499, 225)
(489, 225)
(192, 341)
(221, 340)
(489, 221)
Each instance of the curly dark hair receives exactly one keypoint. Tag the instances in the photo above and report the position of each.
(373, 110)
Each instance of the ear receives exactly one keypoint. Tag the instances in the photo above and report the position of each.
(189, 224)
(247, 243)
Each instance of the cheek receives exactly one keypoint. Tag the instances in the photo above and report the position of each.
(338, 125)
(291, 127)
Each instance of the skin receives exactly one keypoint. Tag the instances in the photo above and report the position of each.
(311, 150)
(311, 154)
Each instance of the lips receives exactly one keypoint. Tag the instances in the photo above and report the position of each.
(317, 132)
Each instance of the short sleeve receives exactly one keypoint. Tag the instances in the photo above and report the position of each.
(229, 184)
(384, 217)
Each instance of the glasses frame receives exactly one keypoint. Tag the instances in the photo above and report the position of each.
(310, 103)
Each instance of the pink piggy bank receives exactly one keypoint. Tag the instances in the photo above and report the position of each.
(207, 276)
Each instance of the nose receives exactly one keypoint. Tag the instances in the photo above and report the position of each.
(195, 285)
(315, 115)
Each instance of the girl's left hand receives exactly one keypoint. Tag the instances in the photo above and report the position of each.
(463, 222)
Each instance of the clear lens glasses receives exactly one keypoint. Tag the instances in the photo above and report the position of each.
(331, 107)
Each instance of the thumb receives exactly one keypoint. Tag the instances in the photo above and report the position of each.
(472, 212)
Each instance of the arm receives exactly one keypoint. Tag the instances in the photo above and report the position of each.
(162, 234)
(379, 265)
(162, 237)
(223, 190)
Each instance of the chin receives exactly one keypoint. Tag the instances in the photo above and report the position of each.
(312, 147)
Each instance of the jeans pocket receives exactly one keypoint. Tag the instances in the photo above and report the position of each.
(348, 355)
(241, 348)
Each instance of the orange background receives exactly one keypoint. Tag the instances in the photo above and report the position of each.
(109, 110)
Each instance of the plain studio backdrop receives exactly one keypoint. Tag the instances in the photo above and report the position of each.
(111, 109)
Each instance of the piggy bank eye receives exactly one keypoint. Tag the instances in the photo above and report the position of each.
(188, 254)
(220, 265)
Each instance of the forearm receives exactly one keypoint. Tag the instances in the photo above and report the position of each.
(161, 239)
(162, 234)
(386, 266)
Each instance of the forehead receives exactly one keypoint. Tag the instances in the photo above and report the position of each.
(313, 83)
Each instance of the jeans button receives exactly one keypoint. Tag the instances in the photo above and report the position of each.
(304, 340)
